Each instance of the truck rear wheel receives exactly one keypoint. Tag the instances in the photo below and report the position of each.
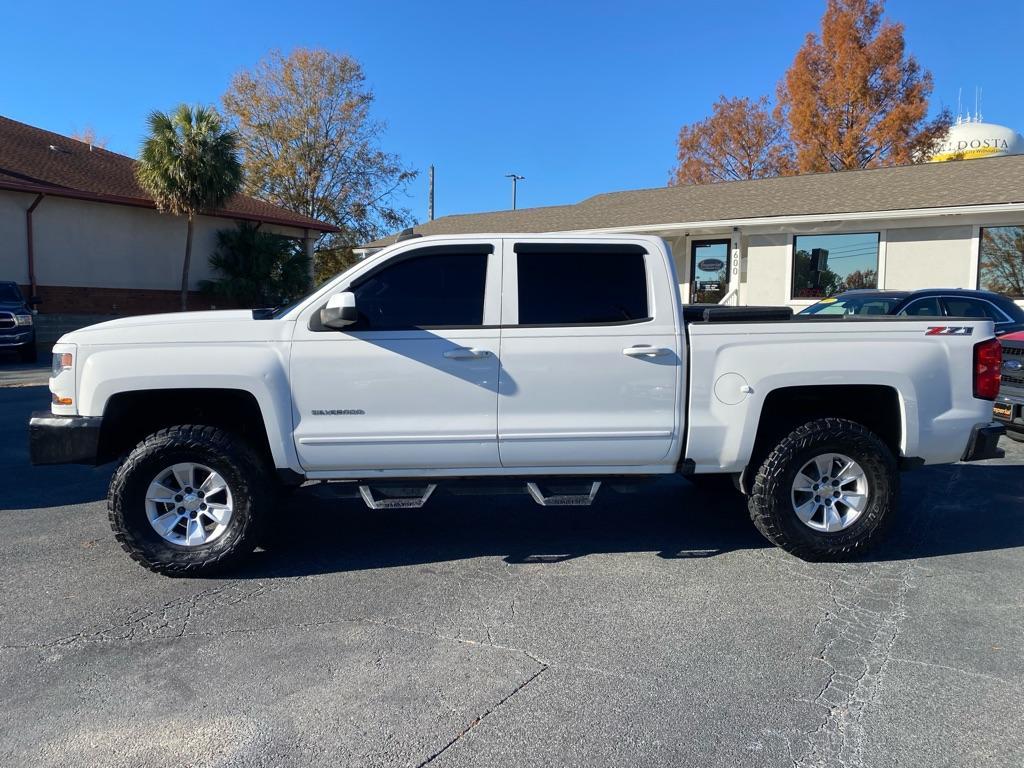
(188, 500)
(826, 491)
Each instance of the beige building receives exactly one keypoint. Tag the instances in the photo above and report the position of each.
(78, 232)
(794, 239)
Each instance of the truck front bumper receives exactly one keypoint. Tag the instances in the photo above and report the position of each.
(63, 439)
(984, 442)
(13, 338)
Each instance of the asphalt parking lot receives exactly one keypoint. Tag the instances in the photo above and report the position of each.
(654, 628)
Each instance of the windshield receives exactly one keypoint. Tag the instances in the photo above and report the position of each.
(10, 294)
(854, 305)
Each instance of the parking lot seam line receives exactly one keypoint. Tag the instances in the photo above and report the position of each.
(479, 719)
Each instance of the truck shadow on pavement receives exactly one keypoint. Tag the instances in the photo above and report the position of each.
(666, 517)
(944, 511)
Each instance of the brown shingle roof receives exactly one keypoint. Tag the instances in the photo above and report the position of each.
(42, 161)
(933, 185)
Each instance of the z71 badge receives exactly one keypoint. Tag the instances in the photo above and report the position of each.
(949, 330)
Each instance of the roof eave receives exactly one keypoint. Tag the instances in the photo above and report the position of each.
(810, 218)
(766, 221)
(140, 202)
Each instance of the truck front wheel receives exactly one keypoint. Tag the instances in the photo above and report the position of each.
(188, 500)
(826, 491)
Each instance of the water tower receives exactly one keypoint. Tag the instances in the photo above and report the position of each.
(970, 138)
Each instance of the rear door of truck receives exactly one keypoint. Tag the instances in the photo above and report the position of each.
(591, 360)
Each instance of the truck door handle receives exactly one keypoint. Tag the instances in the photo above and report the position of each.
(466, 353)
(642, 350)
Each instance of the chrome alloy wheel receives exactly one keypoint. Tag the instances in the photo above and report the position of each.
(830, 492)
(189, 504)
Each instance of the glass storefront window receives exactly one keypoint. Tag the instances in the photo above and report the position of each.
(1001, 260)
(824, 265)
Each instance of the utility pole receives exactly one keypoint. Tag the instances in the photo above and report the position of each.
(515, 180)
(430, 195)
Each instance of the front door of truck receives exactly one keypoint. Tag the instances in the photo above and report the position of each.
(590, 357)
(413, 384)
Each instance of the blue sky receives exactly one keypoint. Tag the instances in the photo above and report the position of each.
(580, 97)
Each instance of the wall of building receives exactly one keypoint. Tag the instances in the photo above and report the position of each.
(83, 243)
(914, 256)
(928, 257)
(767, 282)
(13, 246)
(100, 258)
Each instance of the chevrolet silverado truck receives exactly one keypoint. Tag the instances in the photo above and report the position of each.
(545, 364)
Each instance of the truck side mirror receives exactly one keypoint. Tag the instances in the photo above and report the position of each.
(340, 310)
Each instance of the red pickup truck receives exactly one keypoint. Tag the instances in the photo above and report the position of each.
(1009, 405)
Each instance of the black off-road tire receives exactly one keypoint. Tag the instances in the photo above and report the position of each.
(770, 503)
(248, 476)
(28, 354)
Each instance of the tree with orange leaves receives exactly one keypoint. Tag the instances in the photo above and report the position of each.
(742, 139)
(853, 98)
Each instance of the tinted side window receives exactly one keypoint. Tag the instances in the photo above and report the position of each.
(562, 287)
(959, 307)
(923, 308)
(440, 289)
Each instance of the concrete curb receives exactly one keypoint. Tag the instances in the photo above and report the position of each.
(24, 376)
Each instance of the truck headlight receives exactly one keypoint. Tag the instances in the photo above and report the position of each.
(23, 319)
(62, 361)
(62, 381)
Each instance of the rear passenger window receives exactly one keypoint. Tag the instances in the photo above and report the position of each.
(561, 285)
(972, 308)
(924, 308)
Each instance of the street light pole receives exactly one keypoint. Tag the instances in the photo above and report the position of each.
(515, 180)
(430, 195)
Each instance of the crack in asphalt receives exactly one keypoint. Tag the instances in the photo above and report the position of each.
(168, 620)
(171, 621)
(861, 621)
(861, 626)
(967, 672)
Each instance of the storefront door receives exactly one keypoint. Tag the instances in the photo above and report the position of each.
(709, 271)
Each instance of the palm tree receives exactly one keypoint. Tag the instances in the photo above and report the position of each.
(257, 269)
(190, 165)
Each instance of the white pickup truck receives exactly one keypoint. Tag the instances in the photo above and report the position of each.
(550, 364)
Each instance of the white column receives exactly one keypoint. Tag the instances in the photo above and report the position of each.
(735, 256)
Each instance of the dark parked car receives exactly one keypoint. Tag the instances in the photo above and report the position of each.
(17, 331)
(1009, 405)
(931, 302)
